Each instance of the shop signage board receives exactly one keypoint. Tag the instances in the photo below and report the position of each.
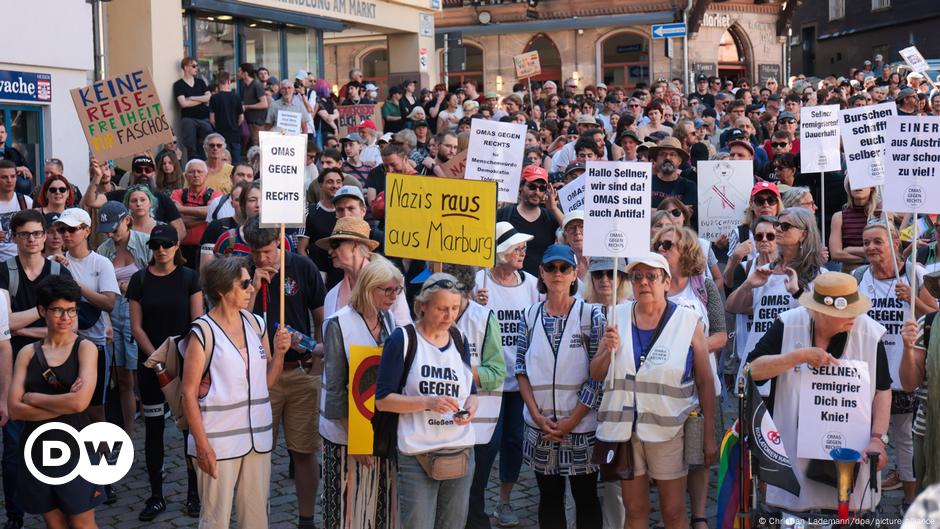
(26, 87)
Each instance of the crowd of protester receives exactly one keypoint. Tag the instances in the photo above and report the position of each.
(515, 361)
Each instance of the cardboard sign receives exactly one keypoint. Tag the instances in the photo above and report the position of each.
(913, 164)
(350, 116)
(571, 197)
(864, 137)
(819, 139)
(363, 372)
(724, 188)
(122, 115)
(527, 64)
(835, 408)
(440, 219)
(283, 161)
(617, 205)
(914, 59)
(288, 121)
(456, 166)
(495, 154)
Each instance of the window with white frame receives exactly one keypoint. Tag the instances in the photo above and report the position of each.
(880, 4)
(837, 9)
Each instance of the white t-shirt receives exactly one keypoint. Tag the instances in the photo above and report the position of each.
(7, 209)
(4, 315)
(227, 210)
(94, 272)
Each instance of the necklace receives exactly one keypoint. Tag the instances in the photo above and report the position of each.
(874, 290)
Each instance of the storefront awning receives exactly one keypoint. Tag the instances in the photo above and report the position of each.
(639, 19)
(230, 7)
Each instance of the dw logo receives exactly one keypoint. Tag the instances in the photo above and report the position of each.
(56, 453)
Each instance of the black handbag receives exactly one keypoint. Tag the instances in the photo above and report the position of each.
(615, 459)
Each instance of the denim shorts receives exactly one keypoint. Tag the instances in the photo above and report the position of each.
(125, 347)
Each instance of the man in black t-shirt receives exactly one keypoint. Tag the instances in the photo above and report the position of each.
(254, 101)
(225, 114)
(669, 156)
(295, 396)
(530, 217)
(192, 95)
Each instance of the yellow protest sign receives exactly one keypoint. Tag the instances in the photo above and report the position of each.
(363, 372)
(440, 219)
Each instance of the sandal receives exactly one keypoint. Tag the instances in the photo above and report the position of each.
(698, 520)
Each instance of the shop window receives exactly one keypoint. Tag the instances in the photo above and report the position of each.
(374, 66)
(263, 47)
(302, 51)
(625, 60)
(549, 58)
(215, 45)
(473, 68)
(24, 132)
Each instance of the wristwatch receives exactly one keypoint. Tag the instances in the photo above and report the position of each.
(883, 437)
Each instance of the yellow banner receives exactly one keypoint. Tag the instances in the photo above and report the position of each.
(440, 219)
(363, 372)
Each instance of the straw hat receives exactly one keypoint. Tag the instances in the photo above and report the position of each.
(350, 229)
(669, 143)
(836, 294)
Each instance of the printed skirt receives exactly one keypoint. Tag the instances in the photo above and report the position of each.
(356, 496)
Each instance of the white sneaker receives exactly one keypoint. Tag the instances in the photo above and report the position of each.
(504, 515)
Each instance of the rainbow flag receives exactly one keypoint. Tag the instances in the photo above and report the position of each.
(729, 478)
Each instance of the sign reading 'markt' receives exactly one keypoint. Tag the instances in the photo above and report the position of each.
(25, 86)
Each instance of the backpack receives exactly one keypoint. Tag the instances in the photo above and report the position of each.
(13, 274)
(206, 197)
(171, 354)
(218, 208)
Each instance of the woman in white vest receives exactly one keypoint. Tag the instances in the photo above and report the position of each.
(358, 491)
(830, 328)
(508, 290)
(556, 341)
(690, 288)
(436, 405)
(890, 295)
(681, 215)
(225, 400)
(664, 348)
(775, 288)
(480, 326)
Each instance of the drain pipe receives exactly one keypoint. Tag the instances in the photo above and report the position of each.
(689, 84)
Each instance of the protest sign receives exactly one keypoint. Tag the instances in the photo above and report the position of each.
(456, 166)
(282, 178)
(864, 137)
(617, 205)
(363, 372)
(914, 59)
(350, 116)
(819, 139)
(440, 219)
(913, 164)
(288, 121)
(835, 408)
(571, 196)
(527, 64)
(495, 154)
(122, 115)
(723, 190)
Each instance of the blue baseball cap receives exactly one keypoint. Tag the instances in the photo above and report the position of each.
(559, 252)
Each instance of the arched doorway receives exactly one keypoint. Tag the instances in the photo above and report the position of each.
(374, 66)
(733, 57)
(472, 68)
(625, 59)
(549, 58)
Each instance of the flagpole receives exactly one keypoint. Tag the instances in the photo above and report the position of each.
(744, 521)
(822, 202)
(894, 255)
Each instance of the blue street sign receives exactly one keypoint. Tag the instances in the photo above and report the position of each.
(665, 31)
(25, 86)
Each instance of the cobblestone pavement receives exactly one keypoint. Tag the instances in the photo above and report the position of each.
(135, 489)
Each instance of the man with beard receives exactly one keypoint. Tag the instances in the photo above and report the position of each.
(530, 217)
(668, 156)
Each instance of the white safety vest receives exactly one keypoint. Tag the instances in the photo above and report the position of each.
(688, 299)
(473, 324)
(743, 323)
(769, 301)
(557, 377)
(890, 311)
(435, 372)
(655, 397)
(509, 304)
(862, 344)
(236, 412)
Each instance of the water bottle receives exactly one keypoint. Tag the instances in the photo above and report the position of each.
(163, 378)
(299, 339)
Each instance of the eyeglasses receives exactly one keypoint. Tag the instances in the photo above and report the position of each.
(779, 167)
(166, 245)
(58, 189)
(392, 291)
(762, 201)
(60, 312)
(675, 212)
(761, 237)
(638, 277)
(663, 245)
(785, 226)
(551, 268)
(537, 187)
(574, 228)
(244, 284)
(810, 204)
(24, 235)
(779, 144)
(448, 284)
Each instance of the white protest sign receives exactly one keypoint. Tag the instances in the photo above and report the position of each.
(617, 205)
(864, 137)
(723, 190)
(913, 164)
(288, 121)
(571, 196)
(282, 178)
(495, 154)
(819, 139)
(914, 59)
(835, 408)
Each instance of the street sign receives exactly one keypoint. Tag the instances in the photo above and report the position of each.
(666, 31)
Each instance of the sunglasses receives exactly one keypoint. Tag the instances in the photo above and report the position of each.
(676, 212)
(785, 226)
(537, 187)
(72, 229)
(638, 277)
(448, 284)
(244, 284)
(761, 237)
(216, 145)
(58, 189)
(761, 201)
(788, 120)
(779, 144)
(609, 274)
(336, 243)
(551, 268)
(166, 245)
(663, 245)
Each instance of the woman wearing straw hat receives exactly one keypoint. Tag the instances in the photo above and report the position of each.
(829, 328)
(507, 289)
